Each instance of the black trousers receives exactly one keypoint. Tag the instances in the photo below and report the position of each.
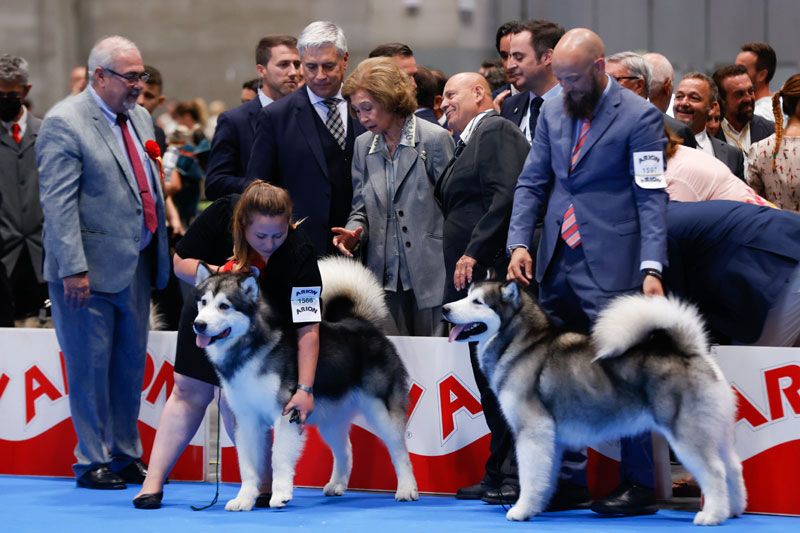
(501, 466)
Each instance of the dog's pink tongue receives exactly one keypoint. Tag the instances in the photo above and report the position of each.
(455, 331)
(202, 340)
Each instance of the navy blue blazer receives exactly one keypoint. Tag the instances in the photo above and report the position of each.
(514, 107)
(733, 260)
(230, 150)
(760, 128)
(621, 224)
(287, 151)
(427, 113)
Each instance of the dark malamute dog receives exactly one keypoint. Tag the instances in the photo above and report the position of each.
(255, 357)
(645, 366)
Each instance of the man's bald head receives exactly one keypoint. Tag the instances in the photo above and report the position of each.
(465, 96)
(579, 46)
(579, 65)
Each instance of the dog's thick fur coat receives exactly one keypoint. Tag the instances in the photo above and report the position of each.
(646, 366)
(255, 356)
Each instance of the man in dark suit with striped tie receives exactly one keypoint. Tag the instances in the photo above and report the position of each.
(304, 142)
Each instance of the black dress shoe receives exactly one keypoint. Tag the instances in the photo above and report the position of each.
(262, 502)
(100, 478)
(134, 473)
(148, 501)
(504, 495)
(569, 496)
(629, 499)
(473, 492)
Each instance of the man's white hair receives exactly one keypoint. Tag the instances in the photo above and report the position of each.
(105, 52)
(636, 66)
(660, 69)
(322, 33)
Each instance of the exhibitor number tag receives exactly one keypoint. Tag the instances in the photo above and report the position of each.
(306, 304)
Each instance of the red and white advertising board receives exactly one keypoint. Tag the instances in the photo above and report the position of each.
(766, 382)
(446, 434)
(36, 433)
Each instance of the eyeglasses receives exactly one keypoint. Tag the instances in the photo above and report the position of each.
(620, 78)
(131, 77)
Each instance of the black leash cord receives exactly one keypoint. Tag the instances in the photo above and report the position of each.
(219, 458)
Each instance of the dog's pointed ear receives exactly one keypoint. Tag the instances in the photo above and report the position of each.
(510, 293)
(202, 273)
(250, 286)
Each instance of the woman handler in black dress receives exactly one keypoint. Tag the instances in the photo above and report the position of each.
(257, 229)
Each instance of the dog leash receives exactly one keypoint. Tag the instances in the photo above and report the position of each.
(219, 459)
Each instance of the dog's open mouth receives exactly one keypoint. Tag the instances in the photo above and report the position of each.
(462, 332)
(204, 341)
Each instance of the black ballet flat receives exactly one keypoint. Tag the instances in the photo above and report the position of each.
(148, 501)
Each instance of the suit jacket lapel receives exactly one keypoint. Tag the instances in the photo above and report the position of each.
(141, 128)
(375, 172)
(104, 130)
(252, 114)
(603, 117)
(30, 134)
(407, 159)
(305, 121)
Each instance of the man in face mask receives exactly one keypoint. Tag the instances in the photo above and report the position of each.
(20, 213)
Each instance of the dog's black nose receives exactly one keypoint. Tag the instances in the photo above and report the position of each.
(199, 325)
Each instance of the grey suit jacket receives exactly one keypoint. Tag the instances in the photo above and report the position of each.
(419, 217)
(21, 213)
(93, 212)
(730, 155)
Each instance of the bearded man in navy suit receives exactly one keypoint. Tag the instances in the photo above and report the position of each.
(594, 178)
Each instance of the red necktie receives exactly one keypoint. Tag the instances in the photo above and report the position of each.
(150, 219)
(15, 133)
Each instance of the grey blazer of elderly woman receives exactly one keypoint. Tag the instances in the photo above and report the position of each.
(420, 218)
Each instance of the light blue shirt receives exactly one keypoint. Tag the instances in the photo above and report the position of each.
(111, 116)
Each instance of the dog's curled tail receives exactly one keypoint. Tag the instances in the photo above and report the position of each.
(348, 289)
(628, 320)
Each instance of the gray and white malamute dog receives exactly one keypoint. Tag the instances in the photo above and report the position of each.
(645, 366)
(256, 360)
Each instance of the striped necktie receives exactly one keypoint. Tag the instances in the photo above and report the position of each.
(334, 121)
(576, 152)
(569, 226)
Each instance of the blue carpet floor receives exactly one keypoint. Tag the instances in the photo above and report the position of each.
(57, 506)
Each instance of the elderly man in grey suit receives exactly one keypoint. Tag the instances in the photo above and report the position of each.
(105, 246)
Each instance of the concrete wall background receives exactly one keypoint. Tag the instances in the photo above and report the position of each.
(205, 47)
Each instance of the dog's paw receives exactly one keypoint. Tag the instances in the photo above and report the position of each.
(407, 494)
(518, 514)
(240, 504)
(334, 489)
(280, 499)
(705, 518)
(738, 508)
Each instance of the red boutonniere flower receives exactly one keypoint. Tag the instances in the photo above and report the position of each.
(154, 151)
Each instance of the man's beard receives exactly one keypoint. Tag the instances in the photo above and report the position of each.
(744, 116)
(584, 107)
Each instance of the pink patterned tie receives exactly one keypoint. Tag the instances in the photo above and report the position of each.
(569, 226)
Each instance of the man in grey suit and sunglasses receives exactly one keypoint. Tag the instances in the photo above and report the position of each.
(105, 246)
